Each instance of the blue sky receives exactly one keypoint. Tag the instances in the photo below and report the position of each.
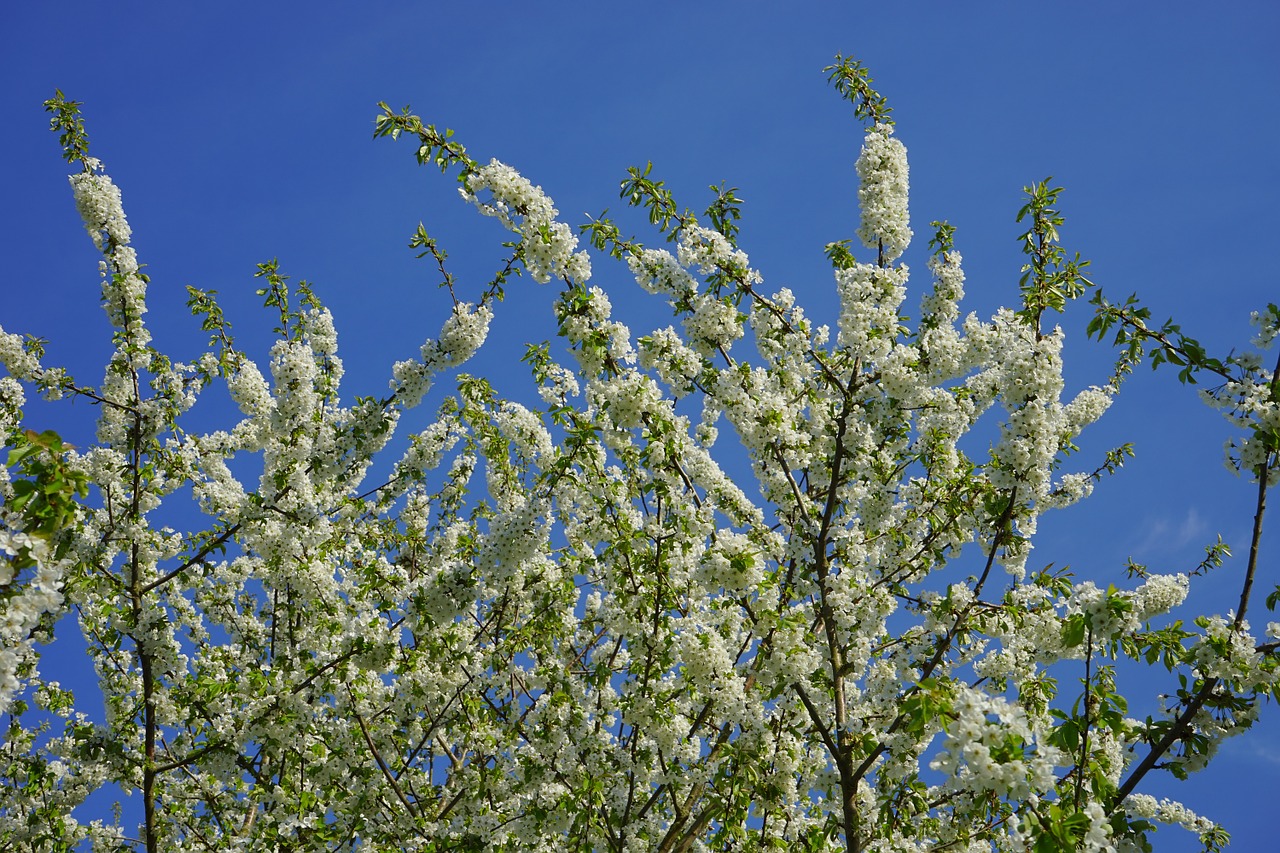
(240, 132)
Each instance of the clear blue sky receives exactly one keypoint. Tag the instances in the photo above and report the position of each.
(240, 132)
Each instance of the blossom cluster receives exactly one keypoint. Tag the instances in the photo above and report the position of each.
(990, 747)
(659, 271)
(40, 595)
(523, 208)
(709, 250)
(1167, 811)
(99, 202)
(883, 193)
(461, 336)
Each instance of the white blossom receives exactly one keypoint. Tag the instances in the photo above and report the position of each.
(882, 193)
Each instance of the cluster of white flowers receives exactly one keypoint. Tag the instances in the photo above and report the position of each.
(1166, 811)
(1268, 324)
(1247, 403)
(1228, 652)
(870, 297)
(626, 399)
(940, 307)
(733, 564)
(123, 287)
(1249, 454)
(322, 337)
(883, 191)
(784, 335)
(124, 293)
(1246, 400)
(1028, 381)
(1070, 489)
(293, 373)
(1097, 838)
(1159, 594)
(524, 431)
(758, 411)
(524, 209)
(559, 385)
(461, 336)
(21, 364)
(710, 251)
(515, 536)
(676, 363)
(98, 201)
(658, 271)
(703, 657)
(1033, 638)
(983, 723)
(1108, 613)
(586, 330)
(1085, 408)
(713, 324)
(427, 448)
(941, 347)
(21, 610)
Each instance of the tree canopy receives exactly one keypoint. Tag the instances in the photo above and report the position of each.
(594, 622)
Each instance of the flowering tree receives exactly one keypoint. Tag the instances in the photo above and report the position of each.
(567, 627)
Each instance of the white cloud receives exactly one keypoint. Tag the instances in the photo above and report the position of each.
(1163, 535)
(1254, 747)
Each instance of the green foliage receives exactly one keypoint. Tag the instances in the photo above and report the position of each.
(725, 212)
(45, 489)
(1164, 345)
(69, 125)
(434, 146)
(853, 81)
(642, 191)
(840, 255)
(1049, 279)
(943, 239)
